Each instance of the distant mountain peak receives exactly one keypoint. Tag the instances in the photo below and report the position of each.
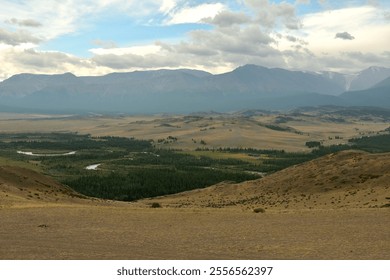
(250, 67)
(375, 68)
(369, 77)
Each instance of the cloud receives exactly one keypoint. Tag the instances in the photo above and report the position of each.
(24, 22)
(32, 61)
(367, 57)
(195, 14)
(273, 15)
(35, 59)
(296, 40)
(135, 50)
(105, 44)
(228, 18)
(344, 36)
(218, 50)
(53, 19)
(370, 31)
(132, 61)
(17, 38)
(167, 6)
(246, 40)
(264, 32)
(386, 15)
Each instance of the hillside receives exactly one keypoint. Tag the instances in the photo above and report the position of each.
(383, 84)
(349, 179)
(378, 95)
(20, 187)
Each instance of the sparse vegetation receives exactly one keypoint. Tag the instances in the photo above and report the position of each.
(156, 205)
(313, 144)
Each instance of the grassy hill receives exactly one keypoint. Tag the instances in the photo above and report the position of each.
(348, 179)
(21, 187)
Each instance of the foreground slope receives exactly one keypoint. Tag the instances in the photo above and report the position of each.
(78, 228)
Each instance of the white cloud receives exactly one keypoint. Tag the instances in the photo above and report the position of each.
(105, 44)
(19, 60)
(167, 6)
(370, 33)
(136, 50)
(52, 19)
(371, 36)
(195, 14)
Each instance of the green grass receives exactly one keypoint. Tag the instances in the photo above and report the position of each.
(224, 155)
(5, 161)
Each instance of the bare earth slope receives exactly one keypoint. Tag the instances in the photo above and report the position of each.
(41, 219)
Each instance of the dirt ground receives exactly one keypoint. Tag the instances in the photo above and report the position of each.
(125, 232)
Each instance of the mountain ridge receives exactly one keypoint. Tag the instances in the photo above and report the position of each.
(186, 90)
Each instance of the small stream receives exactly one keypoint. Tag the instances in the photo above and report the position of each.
(46, 155)
(93, 166)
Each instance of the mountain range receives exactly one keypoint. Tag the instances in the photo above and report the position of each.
(185, 90)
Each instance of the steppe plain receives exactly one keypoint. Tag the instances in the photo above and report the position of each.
(334, 207)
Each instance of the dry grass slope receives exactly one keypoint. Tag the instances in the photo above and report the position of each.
(21, 187)
(349, 179)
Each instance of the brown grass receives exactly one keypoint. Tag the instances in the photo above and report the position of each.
(215, 130)
(345, 180)
(112, 232)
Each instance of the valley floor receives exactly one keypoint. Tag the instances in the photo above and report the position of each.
(125, 232)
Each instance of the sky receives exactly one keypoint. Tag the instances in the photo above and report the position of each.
(96, 37)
